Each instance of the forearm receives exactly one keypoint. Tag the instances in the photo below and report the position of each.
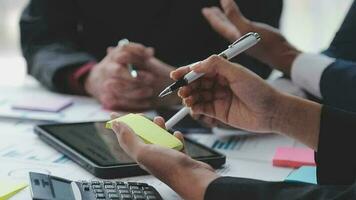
(299, 119)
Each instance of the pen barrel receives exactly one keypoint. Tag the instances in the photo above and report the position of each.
(192, 76)
(177, 117)
(240, 47)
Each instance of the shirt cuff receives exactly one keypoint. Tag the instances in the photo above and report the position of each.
(307, 70)
(77, 78)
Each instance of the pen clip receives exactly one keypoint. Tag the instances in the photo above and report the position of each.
(257, 36)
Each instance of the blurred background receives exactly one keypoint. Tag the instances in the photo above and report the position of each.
(308, 24)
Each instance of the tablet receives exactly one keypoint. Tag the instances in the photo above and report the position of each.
(96, 149)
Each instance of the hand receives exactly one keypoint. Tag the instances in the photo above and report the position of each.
(273, 49)
(111, 83)
(174, 168)
(234, 95)
(231, 94)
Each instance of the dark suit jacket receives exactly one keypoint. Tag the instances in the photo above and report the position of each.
(59, 34)
(336, 168)
(338, 82)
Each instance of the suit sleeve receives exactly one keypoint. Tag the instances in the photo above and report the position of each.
(239, 188)
(335, 157)
(50, 41)
(336, 168)
(344, 42)
(338, 85)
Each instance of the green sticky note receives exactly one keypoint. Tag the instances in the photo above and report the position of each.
(148, 131)
(9, 188)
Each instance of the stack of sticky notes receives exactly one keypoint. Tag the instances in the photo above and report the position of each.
(305, 174)
(148, 131)
(293, 157)
(43, 104)
(9, 188)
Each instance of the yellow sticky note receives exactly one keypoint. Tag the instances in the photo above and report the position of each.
(150, 132)
(9, 188)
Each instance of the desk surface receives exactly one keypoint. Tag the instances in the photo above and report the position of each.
(21, 151)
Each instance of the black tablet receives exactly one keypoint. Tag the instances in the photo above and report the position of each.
(96, 149)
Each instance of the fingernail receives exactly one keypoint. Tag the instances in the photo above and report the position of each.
(116, 126)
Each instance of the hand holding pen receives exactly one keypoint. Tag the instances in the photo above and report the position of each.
(111, 82)
(245, 42)
(131, 68)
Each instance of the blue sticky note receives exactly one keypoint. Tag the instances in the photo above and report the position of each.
(305, 174)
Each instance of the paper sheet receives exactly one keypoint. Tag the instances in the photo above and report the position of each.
(82, 109)
(305, 174)
(10, 187)
(259, 147)
(253, 169)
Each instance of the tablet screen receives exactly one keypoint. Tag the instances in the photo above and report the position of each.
(100, 145)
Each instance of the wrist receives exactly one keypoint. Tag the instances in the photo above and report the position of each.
(195, 173)
(89, 87)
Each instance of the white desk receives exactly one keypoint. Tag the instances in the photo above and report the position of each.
(252, 158)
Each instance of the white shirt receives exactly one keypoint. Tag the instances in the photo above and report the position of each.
(307, 70)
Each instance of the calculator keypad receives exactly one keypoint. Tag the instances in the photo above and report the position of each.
(117, 190)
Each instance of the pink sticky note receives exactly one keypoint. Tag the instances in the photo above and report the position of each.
(44, 104)
(293, 157)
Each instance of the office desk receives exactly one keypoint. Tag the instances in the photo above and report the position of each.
(249, 157)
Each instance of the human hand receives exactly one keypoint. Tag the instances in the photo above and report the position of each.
(174, 168)
(231, 94)
(111, 83)
(234, 95)
(273, 49)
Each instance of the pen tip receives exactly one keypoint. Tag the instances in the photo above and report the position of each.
(165, 92)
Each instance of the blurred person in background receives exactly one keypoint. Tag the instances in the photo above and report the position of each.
(330, 76)
(70, 46)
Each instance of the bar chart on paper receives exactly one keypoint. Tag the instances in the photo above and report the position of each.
(229, 143)
(20, 143)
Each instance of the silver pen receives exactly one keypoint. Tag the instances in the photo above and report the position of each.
(131, 68)
(245, 42)
(239, 46)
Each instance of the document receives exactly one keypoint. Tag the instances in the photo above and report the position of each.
(305, 174)
(252, 169)
(260, 147)
(82, 108)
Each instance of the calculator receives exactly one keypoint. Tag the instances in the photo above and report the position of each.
(46, 187)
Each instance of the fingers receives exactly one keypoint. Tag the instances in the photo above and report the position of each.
(114, 115)
(136, 49)
(232, 11)
(127, 139)
(180, 72)
(129, 90)
(219, 66)
(220, 23)
(125, 58)
(122, 77)
(160, 122)
(179, 136)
